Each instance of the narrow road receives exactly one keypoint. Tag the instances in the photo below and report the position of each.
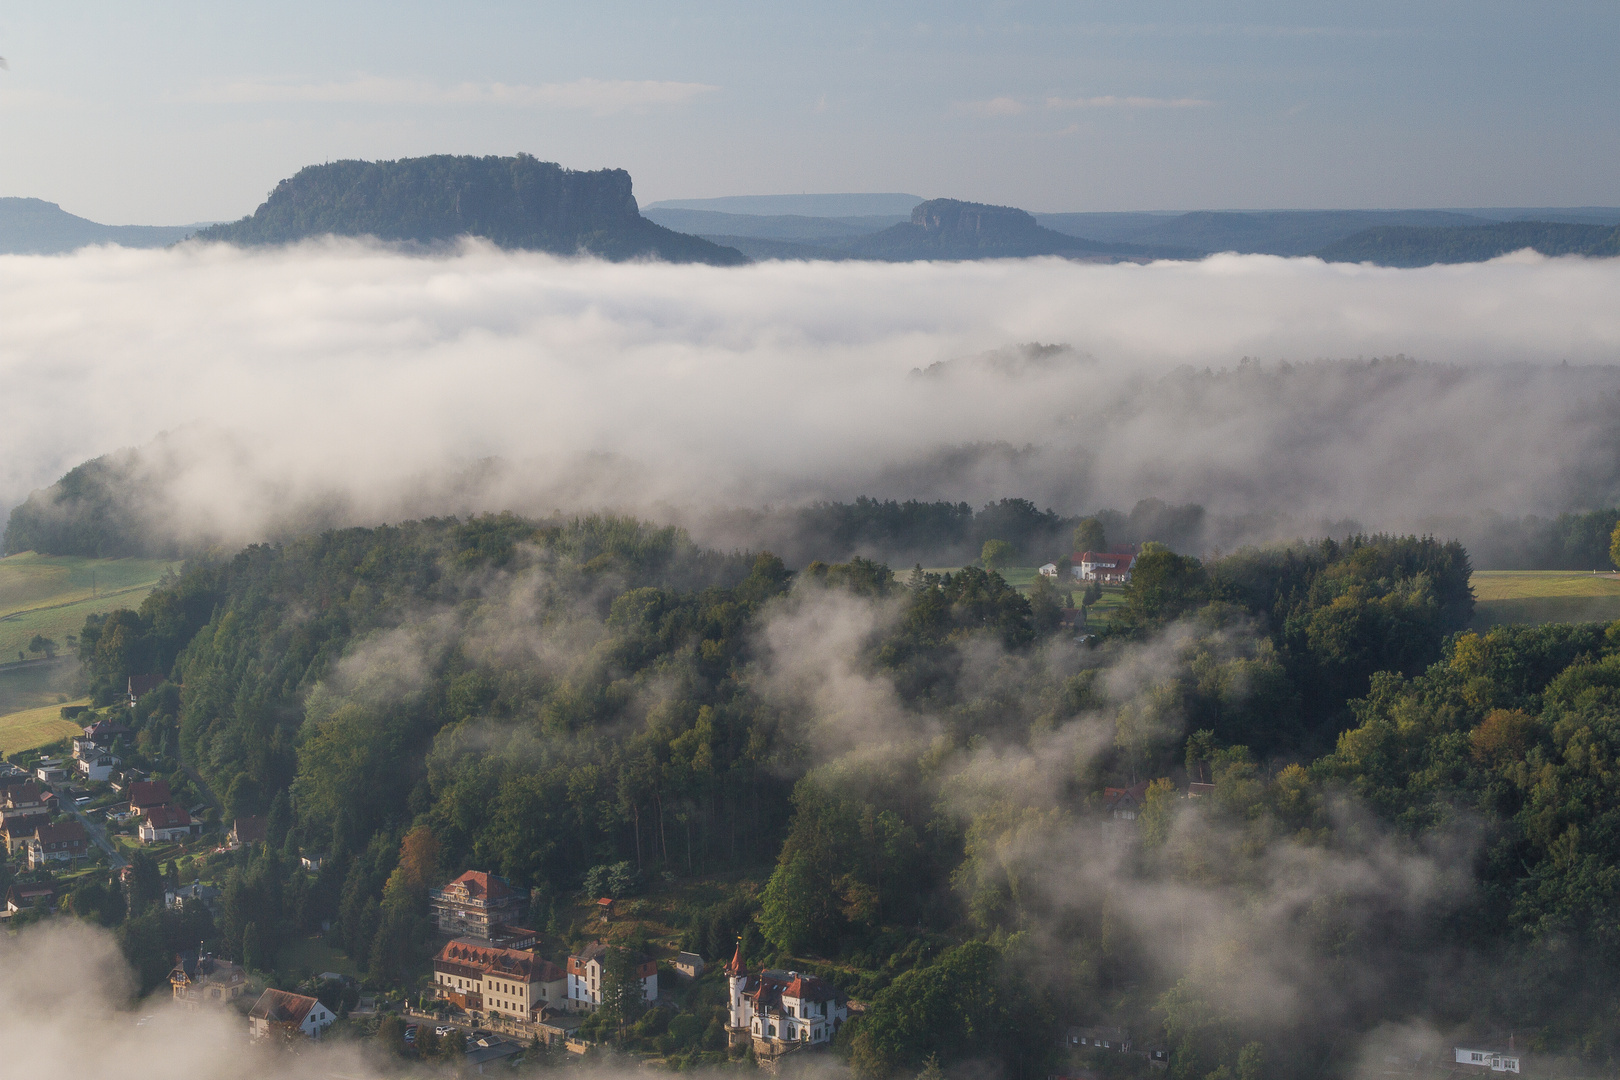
(99, 835)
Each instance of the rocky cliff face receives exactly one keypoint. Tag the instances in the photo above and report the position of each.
(516, 202)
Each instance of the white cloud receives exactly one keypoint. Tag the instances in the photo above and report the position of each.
(1110, 101)
(592, 95)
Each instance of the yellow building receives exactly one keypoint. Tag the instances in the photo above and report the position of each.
(503, 982)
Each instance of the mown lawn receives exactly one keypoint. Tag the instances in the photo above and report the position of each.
(1544, 596)
(51, 594)
(36, 727)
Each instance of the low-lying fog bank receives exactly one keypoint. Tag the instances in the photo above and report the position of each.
(337, 382)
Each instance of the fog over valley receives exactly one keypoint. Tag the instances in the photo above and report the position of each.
(339, 382)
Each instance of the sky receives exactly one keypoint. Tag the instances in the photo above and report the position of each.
(173, 111)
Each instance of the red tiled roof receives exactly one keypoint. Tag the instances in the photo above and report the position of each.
(168, 817)
(517, 963)
(249, 830)
(144, 793)
(481, 884)
(282, 1007)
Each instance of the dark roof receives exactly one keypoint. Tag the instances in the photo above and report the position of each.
(249, 830)
(149, 793)
(143, 684)
(106, 729)
(63, 832)
(1116, 797)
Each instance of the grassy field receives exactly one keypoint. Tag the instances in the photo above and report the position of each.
(51, 594)
(1543, 596)
(36, 727)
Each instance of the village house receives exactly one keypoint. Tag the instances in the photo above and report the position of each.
(206, 980)
(515, 983)
(1115, 1039)
(1049, 570)
(474, 904)
(141, 685)
(21, 897)
(26, 800)
(62, 842)
(278, 1012)
(195, 893)
(18, 832)
(585, 971)
(1107, 567)
(247, 830)
(1124, 803)
(96, 763)
(106, 732)
(164, 824)
(1494, 1060)
(148, 795)
(776, 1010)
(688, 965)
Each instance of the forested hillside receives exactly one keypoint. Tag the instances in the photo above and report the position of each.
(517, 202)
(907, 781)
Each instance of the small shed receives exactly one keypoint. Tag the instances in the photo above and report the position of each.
(604, 907)
(688, 965)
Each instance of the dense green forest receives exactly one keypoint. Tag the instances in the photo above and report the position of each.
(516, 202)
(554, 701)
(1417, 245)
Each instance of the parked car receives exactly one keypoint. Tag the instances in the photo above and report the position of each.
(442, 1030)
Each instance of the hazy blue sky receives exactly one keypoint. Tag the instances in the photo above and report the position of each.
(167, 112)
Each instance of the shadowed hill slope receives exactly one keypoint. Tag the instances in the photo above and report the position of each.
(516, 202)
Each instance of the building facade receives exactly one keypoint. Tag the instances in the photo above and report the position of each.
(586, 970)
(163, 824)
(206, 980)
(777, 1010)
(475, 904)
(1104, 566)
(479, 978)
(62, 842)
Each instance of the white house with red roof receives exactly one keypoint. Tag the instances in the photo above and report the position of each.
(278, 1012)
(1104, 566)
(162, 824)
(778, 1010)
(476, 905)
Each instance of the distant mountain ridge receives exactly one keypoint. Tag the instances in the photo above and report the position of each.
(953, 229)
(1409, 246)
(37, 227)
(515, 202)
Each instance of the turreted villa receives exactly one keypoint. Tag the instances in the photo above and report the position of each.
(781, 1010)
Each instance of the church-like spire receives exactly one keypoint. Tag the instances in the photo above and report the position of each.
(736, 965)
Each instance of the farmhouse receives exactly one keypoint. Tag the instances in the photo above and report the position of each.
(585, 977)
(777, 1010)
(475, 904)
(1104, 566)
(278, 1012)
(503, 982)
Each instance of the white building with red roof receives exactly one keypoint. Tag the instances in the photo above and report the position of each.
(279, 1012)
(1104, 566)
(162, 824)
(778, 1010)
(475, 904)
